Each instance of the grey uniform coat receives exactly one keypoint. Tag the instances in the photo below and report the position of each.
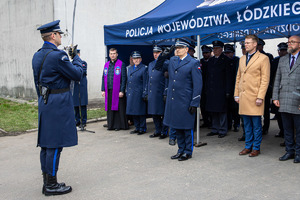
(287, 85)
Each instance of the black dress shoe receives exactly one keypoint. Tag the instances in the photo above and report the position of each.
(133, 132)
(178, 155)
(280, 134)
(287, 156)
(221, 135)
(154, 135)
(185, 157)
(163, 136)
(282, 144)
(241, 138)
(204, 125)
(172, 142)
(297, 159)
(116, 129)
(236, 129)
(105, 125)
(141, 132)
(212, 134)
(78, 124)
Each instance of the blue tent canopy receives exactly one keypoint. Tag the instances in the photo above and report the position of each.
(211, 19)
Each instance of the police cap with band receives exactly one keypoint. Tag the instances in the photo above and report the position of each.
(206, 49)
(136, 54)
(50, 27)
(228, 48)
(181, 43)
(218, 43)
(282, 46)
(157, 48)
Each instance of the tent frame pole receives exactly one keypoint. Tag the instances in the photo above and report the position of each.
(198, 143)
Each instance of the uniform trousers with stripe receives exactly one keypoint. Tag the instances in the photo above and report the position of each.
(49, 158)
(185, 140)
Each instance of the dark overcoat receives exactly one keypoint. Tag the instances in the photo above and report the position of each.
(155, 90)
(219, 82)
(57, 126)
(136, 86)
(82, 89)
(184, 90)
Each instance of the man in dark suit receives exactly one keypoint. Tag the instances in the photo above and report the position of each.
(286, 96)
(183, 98)
(219, 89)
(80, 96)
(53, 73)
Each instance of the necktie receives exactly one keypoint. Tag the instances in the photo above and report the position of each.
(249, 56)
(179, 61)
(293, 62)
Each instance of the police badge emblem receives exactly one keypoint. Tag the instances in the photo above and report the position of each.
(117, 70)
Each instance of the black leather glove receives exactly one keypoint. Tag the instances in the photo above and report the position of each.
(73, 51)
(192, 109)
(167, 52)
(165, 98)
(145, 98)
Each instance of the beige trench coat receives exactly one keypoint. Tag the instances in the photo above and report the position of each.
(251, 83)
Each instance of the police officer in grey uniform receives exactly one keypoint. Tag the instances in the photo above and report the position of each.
(53, 73)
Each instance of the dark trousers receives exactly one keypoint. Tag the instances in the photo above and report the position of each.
(267, 114)
(185, 141)
(290, 123)
(279, 122)
(83, 114)
(172, 134)
(235, 115)
(219, 122)
(253, 131)
(139, 122)
(49, 158)
(160, 128)
(116, 119)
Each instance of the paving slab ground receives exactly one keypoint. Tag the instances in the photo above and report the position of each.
(114, 165)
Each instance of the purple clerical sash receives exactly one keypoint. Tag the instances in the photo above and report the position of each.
(116, 84)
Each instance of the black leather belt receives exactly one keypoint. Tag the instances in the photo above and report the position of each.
(58, 91)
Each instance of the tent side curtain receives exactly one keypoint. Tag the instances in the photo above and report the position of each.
(229, 18)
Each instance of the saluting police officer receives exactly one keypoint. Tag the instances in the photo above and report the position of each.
(183, 98)
(155, 96)
(136, 86)
(80, 96)
(53, 73)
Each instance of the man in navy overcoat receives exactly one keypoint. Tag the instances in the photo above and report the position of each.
(183, 97)
(53, 73)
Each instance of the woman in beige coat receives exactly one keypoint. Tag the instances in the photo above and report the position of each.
(250, 89)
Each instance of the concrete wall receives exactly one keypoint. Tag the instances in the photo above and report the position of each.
(20, 39)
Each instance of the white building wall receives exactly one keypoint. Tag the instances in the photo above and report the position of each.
(20, 40)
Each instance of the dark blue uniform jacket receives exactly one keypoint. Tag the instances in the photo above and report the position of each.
(136, 86)
(83, 88)
(57, 126)
(184, 90)
(155, 90)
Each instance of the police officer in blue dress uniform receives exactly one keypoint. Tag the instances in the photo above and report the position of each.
(183, 98)
(136, 93)
(80, 91)
(155, 96)
(53, 73)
